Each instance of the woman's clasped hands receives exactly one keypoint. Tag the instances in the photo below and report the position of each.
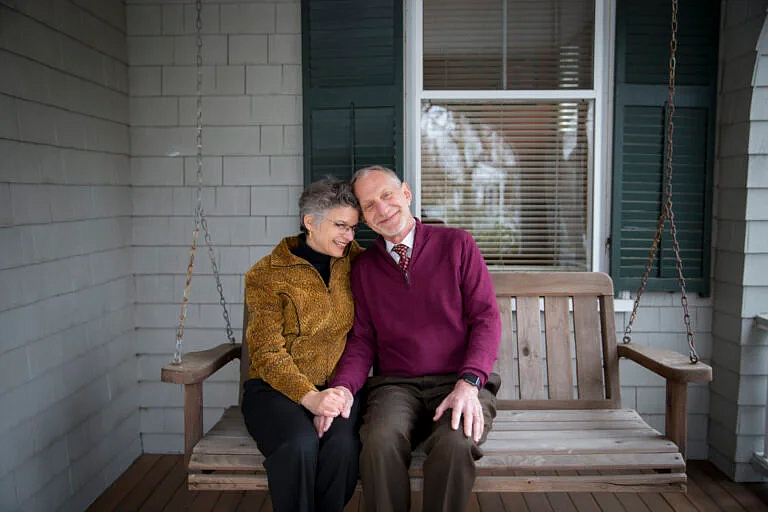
(329, 402)
(326, 405)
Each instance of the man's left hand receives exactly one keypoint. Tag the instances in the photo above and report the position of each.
(464, 402)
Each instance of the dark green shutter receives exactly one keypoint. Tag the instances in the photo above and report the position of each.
(352, 53)
(353, 86)
(642, 58)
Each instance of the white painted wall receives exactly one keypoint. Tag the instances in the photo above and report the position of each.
(68, 393)
(252, 142)
(738, 391)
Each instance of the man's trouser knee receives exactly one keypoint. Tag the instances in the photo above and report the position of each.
(399, 416)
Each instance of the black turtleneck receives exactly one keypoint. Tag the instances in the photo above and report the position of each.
(322, 262)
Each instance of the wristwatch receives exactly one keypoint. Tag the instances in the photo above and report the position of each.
(471, 378)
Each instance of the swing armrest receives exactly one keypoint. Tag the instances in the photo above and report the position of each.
(195, 367)
(670, 365)
(678, 370)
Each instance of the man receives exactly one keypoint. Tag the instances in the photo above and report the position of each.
(426, 313)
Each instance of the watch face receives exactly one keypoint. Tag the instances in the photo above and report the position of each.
(471, 378)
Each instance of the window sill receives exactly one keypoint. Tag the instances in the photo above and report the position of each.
(623, 305)
(761, 321)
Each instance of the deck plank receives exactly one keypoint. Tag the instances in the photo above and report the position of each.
(606, 502)
(537, 502)
(252, 501)
(228, 501)
(561, 501)
(513, 502)
(204, 502)
(474, 504)
(181, 500)
(701, 499)
(595, 502)
(121, 487)
(157, 482)
(492, 502)
(267, 506)
(135, 499)
(746, 499)
(632, 502)
(167, 487)
(656, 502)
(759, 489)
(679, 502)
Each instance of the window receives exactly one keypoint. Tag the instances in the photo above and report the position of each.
(506, 117)
(497, 114)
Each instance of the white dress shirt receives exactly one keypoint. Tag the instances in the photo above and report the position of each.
(407, 241)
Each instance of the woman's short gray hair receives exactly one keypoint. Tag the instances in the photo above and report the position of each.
(323, 195)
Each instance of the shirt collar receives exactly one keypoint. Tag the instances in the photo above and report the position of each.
(407, 241)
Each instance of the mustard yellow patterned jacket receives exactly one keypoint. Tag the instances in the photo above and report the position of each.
(297, 327)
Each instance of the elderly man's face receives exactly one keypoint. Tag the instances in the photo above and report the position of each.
(385, 205)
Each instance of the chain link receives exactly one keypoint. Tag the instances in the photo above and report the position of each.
(200, 219)
(667, 212)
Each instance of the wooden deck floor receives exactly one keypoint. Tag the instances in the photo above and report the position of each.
(157, 483)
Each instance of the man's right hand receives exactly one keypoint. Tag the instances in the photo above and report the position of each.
(463, 401)
(330, 402)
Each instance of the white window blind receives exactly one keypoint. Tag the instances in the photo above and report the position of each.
(513, 175)
(507, 127)
(508, 44)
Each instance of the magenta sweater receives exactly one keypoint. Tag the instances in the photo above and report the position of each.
(444, 319)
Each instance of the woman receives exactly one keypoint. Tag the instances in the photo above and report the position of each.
(300, 310)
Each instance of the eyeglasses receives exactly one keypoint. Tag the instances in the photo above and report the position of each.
(343, 226)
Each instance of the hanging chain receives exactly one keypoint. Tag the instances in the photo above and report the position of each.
(667, 212)
(185, 297)
(200, 219)
(692, 353)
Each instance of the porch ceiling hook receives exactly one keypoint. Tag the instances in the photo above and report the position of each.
(199, 215)
(666, 210)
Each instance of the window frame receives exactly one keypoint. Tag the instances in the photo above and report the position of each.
(599, 180)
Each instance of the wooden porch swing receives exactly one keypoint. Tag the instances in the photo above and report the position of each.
(544, 439)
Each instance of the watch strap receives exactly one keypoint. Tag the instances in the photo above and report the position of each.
(471, 378)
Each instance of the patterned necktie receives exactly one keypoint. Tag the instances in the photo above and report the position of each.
(402, 251)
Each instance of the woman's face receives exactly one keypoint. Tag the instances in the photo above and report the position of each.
(329, 234)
